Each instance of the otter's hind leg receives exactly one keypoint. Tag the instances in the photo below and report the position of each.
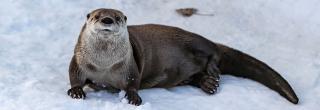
(208, 80)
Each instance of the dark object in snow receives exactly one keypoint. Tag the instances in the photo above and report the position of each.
(187, 12)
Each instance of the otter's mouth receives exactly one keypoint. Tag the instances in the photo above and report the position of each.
(107, 30)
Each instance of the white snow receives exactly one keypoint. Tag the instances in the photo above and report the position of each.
(38, 36)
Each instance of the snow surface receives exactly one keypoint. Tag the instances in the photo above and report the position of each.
(38, 36)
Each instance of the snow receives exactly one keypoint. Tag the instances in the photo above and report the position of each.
(38, 36)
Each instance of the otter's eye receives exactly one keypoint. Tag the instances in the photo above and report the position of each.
(118, 18)
(88, 16)
(96, 17)
(125, 18)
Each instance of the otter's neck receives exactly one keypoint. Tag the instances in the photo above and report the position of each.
(112, 42)
(106, 50)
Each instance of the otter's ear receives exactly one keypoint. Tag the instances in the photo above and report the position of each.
(88, 16)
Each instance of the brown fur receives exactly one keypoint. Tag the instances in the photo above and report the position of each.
(165, 56)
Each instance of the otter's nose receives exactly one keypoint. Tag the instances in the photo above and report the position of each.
(107, 20)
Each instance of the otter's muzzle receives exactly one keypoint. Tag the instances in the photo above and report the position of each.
(107, 20)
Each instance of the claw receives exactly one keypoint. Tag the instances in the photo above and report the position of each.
(76, 93)
(133, 98)
(209, 84)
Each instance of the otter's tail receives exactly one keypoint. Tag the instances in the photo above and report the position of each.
(237, 63)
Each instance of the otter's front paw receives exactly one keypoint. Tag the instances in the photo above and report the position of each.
(133, 98)
(76, 93)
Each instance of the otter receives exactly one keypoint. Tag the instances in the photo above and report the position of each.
(111, 55)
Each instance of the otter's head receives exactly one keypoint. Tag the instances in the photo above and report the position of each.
(106, 22)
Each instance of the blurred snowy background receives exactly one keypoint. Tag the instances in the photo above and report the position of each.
(38, 36)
